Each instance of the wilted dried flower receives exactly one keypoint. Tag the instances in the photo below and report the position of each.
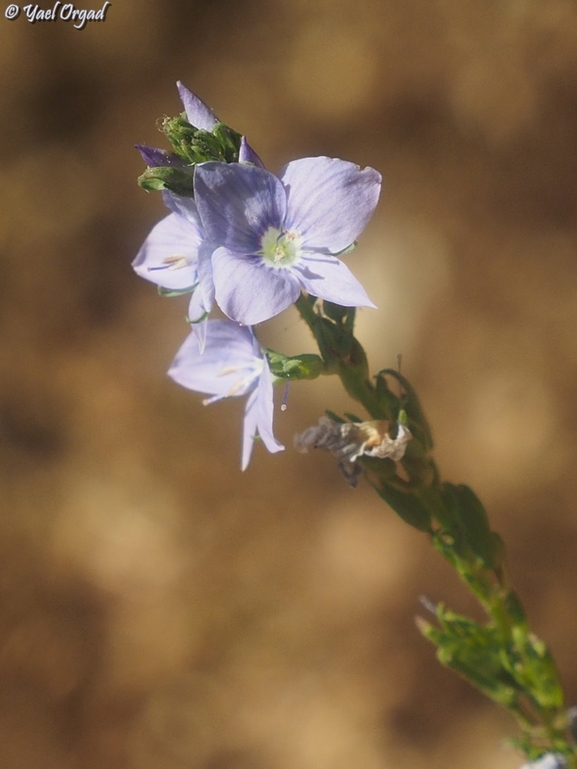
(351, 440)
(348, 441)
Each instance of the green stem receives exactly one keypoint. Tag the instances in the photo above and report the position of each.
(473, 552)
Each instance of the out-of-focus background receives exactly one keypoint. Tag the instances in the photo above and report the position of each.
(161, 610)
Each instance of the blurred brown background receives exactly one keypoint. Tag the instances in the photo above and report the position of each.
(161, 610)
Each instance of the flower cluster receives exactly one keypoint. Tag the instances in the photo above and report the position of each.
(249, 242)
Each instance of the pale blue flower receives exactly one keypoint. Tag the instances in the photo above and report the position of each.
(232, 364)
(274, 237)
(176, 258)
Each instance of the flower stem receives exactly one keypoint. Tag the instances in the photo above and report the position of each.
(501, 657)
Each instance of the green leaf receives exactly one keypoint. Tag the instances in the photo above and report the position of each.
(514, 607)
(474, 524)
(354, 373)
(333, 339)
(407, 506)
(390, 402)
(417, 421)
(532, 665)
(335, 311)
(473, 651)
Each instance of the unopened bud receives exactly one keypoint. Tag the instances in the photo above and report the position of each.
(177, 180)
(194, 145)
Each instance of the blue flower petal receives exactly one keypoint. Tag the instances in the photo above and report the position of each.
(183, 206)
(265, 406)
(258, 418)
(330, 201)
(328, 278)
(248, 291)
(249, 429)
(198, 113)
(237, 203)
(246, 154)
(169, 255)
(228, 359)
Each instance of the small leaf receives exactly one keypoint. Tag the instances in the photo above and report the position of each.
(473, 651)
(475, 523)
(417, 421)
(407, 506)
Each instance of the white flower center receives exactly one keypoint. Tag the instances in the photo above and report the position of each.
(281, 248)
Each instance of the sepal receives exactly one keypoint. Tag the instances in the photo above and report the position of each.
(176, 180)
(170, 292)
(306, 366)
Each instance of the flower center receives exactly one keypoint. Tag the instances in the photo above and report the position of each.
(281, 248)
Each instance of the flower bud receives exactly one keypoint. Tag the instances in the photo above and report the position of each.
(194, 145)
(177, 180)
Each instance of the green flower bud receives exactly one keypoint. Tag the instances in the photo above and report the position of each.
(194, 145)
(177, 180)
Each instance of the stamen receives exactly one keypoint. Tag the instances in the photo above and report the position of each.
(174, 262)
(237, 387)
(281, 248)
